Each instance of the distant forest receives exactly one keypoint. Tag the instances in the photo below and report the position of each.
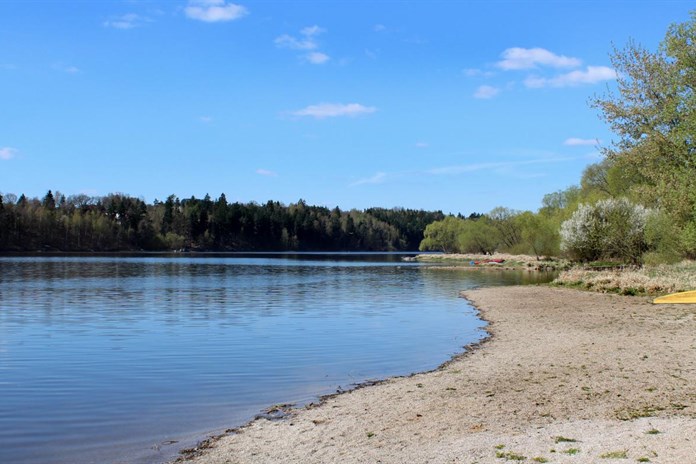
(119, 222)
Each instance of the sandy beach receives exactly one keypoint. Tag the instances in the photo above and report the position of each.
(565, 376)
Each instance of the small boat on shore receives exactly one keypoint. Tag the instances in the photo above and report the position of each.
(681, 297)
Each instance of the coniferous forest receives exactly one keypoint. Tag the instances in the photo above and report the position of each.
(119, 222)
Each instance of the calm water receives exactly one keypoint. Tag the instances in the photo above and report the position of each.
(111, 359)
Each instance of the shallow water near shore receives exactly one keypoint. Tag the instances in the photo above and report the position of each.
(128, 359)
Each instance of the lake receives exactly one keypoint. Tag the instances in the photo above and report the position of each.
(118, 359)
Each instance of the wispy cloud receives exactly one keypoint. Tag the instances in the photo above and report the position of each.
(498, 165)
(486, 92)
(379, 28)
(266, 172)
(332, 110)
(212, 11)
(126, 21)
(307, 41)
(7, 153)
(205, 119)
(66, 68)
(591, 75)
(317, 57)
(528, 58)
(578, 142)
(422, 145)
(475, 72)
(378, 178)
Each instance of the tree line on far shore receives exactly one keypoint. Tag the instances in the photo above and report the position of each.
(119, 222)
(638, 204)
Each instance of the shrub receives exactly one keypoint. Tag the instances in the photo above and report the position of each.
(610, 229)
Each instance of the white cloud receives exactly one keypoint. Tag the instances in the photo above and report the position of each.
(576, 142)
(422, 145)
(305, 42)
(475, 72)
(317, 57)
(288, 41)
(331, 110)
(127, 21)
(486, 91)
(379, 28)
(473, 167)
(528, 58)
(266, 172)
(205, 119)
(378, 178)
(311, 31)
(212, 11)
(591, 75)
(7, 153)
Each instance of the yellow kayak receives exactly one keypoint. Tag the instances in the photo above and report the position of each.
(681, 297)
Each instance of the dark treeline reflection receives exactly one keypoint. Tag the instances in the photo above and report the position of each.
(119, 222)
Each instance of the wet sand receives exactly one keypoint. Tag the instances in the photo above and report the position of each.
(614, 374)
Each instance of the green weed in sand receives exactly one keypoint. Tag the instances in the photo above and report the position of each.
(510, 456)
(621, 454)
(562, 439)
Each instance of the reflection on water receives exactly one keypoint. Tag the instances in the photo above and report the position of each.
(107, 359)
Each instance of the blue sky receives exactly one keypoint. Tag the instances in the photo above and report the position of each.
(459, 106)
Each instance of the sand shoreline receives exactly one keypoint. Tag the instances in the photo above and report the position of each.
(616, 374)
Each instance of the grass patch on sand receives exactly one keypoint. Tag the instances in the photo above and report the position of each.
(510, 456)
(621, 454)
(637, 413)
(648, 280)
(510, 261)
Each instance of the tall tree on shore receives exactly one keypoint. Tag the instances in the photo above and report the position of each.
(654, 114)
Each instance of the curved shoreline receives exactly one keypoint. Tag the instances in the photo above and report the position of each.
(601, 369)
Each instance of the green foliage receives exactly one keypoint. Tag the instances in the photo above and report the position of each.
(662, 239)
(654, 115)
(443, 235)
(478, 236)
(120, 222)
(411, 223)
(560, 203)
(456, 235)
(688, 239)
(509, 232)
(539, 235)
(502, 229)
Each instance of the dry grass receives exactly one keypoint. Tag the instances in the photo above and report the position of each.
(650, 280)
(513, 261)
